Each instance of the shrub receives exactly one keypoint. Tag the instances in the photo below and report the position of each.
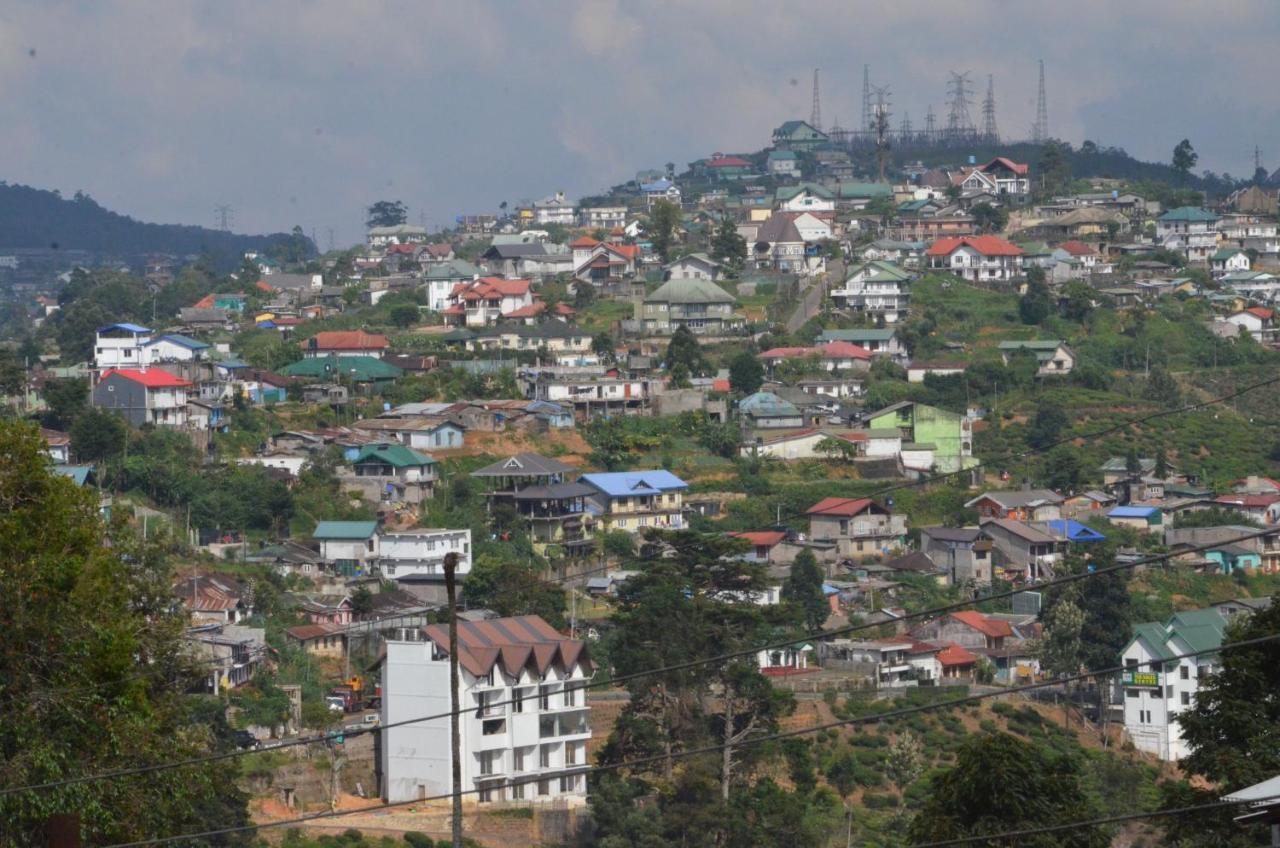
(879, 802)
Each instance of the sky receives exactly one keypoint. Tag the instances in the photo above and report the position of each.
(307, 111)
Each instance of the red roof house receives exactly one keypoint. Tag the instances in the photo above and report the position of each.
(346, 343)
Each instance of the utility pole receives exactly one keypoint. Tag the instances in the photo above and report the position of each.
(455, 735)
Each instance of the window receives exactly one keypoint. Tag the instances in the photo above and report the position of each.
(485, 794)
(517, 700)
(544, 756)
(1131, 693)
(493, 727)
(567, 783)
(1186, 699)
(517, 792)
(1168, 691)
(544, 698)
(570, 696)
(1184, 672)
(544, 787)
(571, 755)
(1130, 663)
(518, 759)
(489, 761)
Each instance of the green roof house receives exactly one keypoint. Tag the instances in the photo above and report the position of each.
(698, 304)
(358, 369)
(1161, 681)
(392, 473)
(350, 547)
(1052, 355)
(798, 135)
(765, 410)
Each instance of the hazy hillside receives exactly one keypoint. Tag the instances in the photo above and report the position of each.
(34, 218)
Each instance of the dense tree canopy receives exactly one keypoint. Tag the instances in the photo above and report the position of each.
(92, 667)
(973, 797)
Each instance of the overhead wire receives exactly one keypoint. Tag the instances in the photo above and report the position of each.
(713, 748)
(824, 634)
(720, 658)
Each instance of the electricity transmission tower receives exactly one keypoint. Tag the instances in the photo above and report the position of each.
(989, 130)
(1040, 129)
(930, 124)
(881, 119)
(866, 100)
(904, 128)
(815, 113)
(225, 216)
(959, 97)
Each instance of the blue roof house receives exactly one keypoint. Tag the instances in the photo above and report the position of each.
(1147, 519)
(1074, 531)
(637, 500)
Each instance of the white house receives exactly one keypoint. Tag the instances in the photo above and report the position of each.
(397, 234)
(525, 721)
(806, 198)
(556, 209)
(603, 217)
(486, 300)
(1188, 230)
(976, 258)
(659, 190)
(783, 163)
(172, 347)
(420, 552)
(876, 288)
(1258, 321)
(695, 266)
(121, 346)
(1227, 260)
(1157, 688)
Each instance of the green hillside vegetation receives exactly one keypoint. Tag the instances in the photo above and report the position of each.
(35, 218)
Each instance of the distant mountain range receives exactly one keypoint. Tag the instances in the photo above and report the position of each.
(35, 218)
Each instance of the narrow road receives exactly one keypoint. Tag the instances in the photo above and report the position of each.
(811, 300)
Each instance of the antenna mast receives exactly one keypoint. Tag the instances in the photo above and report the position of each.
(225, 215)
(867, 117)
(815, 114)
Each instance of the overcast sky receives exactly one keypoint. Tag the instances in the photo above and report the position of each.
(306, 112)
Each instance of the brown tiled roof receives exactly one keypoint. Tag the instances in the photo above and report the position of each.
(307, 632)
(517, 642)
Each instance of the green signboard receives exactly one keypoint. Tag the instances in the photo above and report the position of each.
(1141, 678)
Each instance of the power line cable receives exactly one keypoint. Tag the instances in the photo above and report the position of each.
(724, 657)
(1116, 819)
(826, 634)
(709, 749)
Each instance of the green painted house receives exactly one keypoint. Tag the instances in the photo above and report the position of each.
(949, 434)
(798, 135)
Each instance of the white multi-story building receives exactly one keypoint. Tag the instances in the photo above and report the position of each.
(976, 258)
(1157, 688)
(121, 346)
(525, 719)
(1189, 230)
(556, 209)
(420, 552)
(876, 288)
(603, 217)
